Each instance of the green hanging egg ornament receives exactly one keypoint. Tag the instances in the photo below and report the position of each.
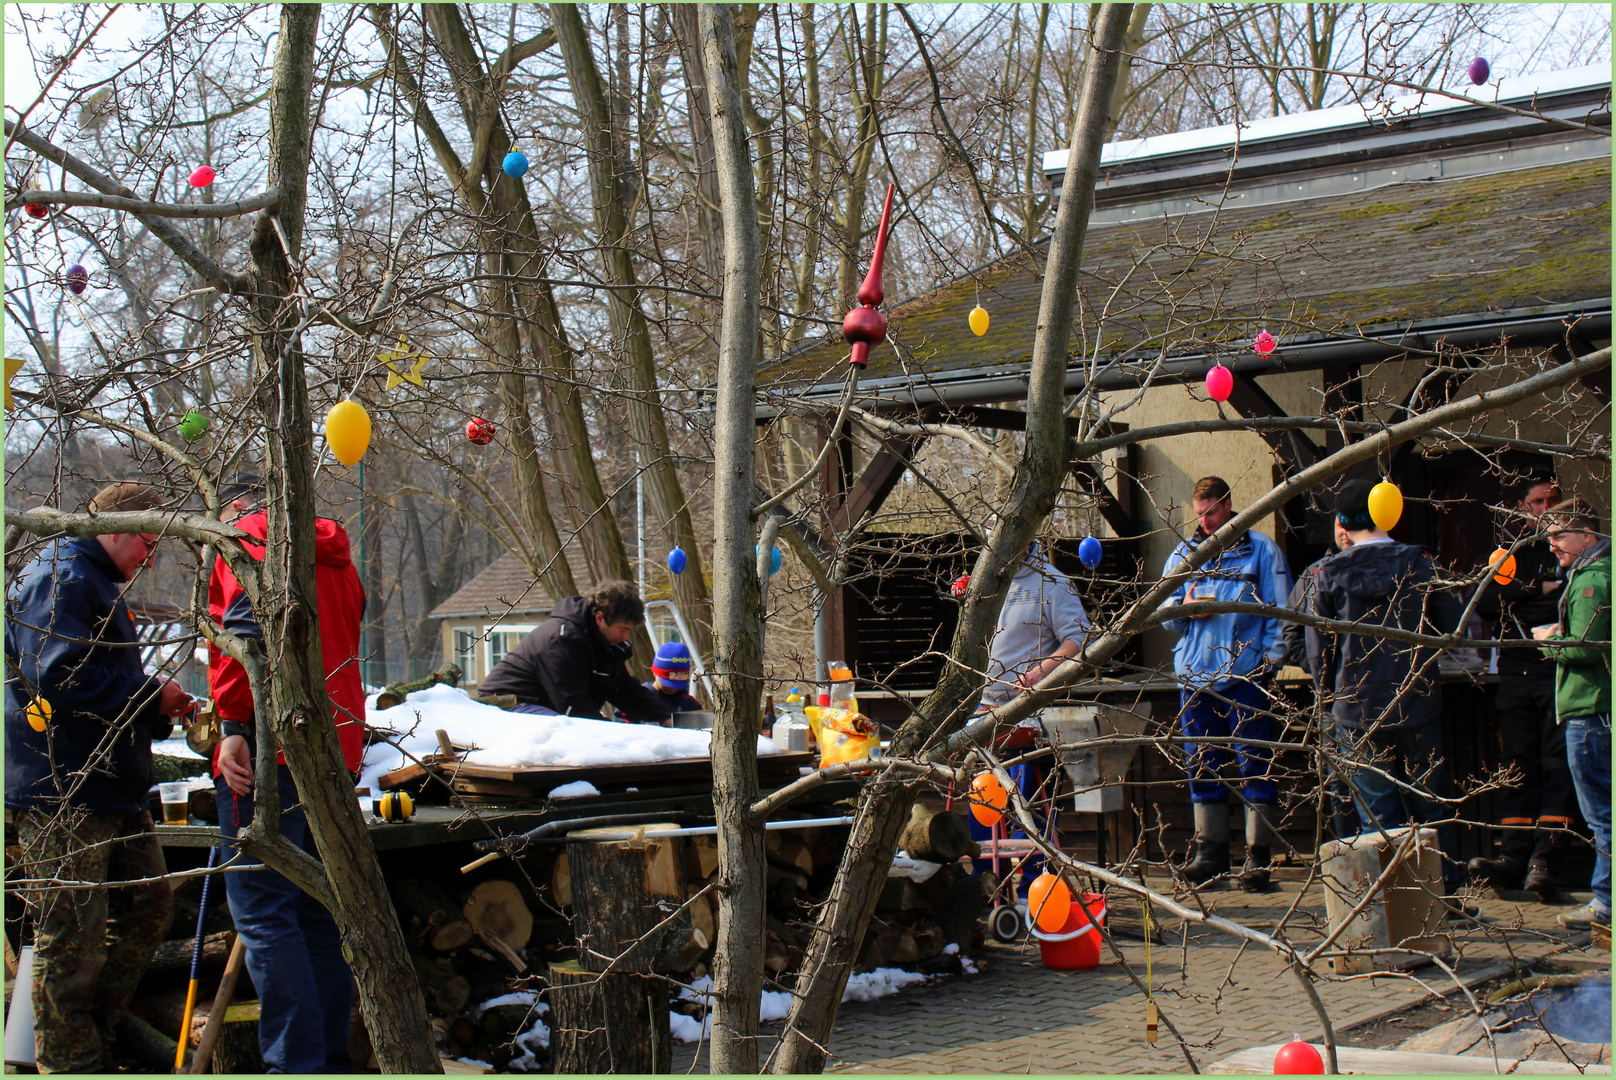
(193, 426)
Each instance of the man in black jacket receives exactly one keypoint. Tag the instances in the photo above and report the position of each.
(577, 661)
(81, 714)
(1387, 693)
(1537, 812)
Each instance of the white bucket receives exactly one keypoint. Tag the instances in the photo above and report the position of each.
(20, 1020)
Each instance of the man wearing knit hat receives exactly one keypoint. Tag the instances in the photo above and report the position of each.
(1387, 694)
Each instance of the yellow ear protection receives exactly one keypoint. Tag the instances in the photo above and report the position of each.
(395, 806)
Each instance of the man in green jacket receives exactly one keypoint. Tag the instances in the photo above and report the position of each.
(1582, 684)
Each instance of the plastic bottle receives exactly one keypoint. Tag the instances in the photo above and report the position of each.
(842, 695)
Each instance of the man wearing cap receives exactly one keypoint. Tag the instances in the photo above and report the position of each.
(1387, 694)
(81, 715)
(578, 661)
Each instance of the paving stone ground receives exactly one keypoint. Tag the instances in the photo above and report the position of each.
(1018, 1016)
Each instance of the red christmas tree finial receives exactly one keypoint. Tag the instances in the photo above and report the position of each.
(865, 327)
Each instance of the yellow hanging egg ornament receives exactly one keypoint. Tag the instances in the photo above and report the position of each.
(1385, 505)
(39, 714)
(979, 320)
(347, 431)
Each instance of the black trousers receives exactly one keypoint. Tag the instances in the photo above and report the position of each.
(1545, 799)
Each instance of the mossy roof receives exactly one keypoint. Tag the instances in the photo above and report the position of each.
(1322, 269)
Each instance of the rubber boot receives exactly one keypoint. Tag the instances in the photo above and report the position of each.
(1259, 848)
(1502, 874)
(1211, 843)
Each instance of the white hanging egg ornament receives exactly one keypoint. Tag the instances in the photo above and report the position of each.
(515, 164)
(347, 431)
(1385, 505)
(979, 320)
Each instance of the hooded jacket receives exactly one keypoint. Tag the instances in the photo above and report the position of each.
(1214, 652)
(341, 610)
(1380, 680)
(567, 667)
(1582, 675)
(71, 642)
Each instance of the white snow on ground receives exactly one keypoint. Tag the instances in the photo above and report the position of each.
(175, 747)
(474, 1063)
(535, 1037)
(578, 789)
(516, 740)
(776, 1004)
(517, 997)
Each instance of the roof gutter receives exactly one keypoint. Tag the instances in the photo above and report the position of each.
(1545, 327)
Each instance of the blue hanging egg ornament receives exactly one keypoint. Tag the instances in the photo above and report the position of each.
(515, 164)
(677, 559)
(1089, 552)
(774, 559)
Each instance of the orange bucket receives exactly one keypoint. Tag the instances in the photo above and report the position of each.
(1076, 945)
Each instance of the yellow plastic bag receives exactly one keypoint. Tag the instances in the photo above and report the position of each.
(843, 735)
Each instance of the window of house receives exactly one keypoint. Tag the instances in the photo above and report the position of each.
(502, 640)
(465, 649)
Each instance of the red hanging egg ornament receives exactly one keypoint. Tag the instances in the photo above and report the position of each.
(37, 210)
(480, 431)
(202, 176)
(1298, 1059)
(1219, 383)
(865, 327)
(961, 583)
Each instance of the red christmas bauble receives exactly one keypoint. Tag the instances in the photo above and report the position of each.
(1298, 1059)
(480, 431)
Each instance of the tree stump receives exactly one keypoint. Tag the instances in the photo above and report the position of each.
(615, 1023)
(621, 890)
(940, 836)
(237, 1048)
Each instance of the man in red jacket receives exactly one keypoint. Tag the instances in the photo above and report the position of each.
(294, 953)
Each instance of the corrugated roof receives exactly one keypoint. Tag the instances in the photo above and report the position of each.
(506, 587)
(1449, 253)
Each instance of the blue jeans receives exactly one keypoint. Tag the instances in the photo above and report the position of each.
(1405, 753)
(1588, 752)
(1239, 710)
(294, 955)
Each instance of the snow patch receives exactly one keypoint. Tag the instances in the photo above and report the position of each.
(474, 1063)
(578, 789)
(776, 1004)
(869, 985)
(176, 747)
(519, 740)
(517, 997)
(687, 1029)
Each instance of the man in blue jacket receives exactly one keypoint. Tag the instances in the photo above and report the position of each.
(1224, 664)
(81, 714)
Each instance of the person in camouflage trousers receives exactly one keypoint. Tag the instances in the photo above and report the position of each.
(81, 714)
(91, 946)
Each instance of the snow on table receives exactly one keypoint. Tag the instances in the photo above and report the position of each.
(515, 740)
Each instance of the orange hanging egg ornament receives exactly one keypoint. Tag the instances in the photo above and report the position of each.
(1049, 902)
(347, 431)
(1503, 564)
(979, 320)
(988, 799)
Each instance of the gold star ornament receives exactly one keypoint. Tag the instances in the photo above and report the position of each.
(403, 354)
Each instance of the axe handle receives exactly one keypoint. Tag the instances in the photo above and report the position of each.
(221, 1002)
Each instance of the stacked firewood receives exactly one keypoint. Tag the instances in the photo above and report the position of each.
(469, 947)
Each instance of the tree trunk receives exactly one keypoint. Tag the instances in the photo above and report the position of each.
(647, 424)
(737, 614)
(298, 713)
(591, 1013)
(885, 805)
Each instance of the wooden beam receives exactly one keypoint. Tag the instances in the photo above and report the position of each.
(1089, 478)
(877, 480)
(1295, 449)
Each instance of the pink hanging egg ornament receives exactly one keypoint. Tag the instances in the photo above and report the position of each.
(202, 176)
(1264, 344)
(1219, 383)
